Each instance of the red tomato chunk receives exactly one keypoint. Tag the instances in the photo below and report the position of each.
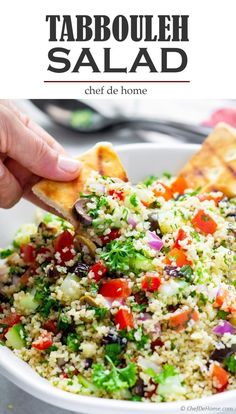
(64, 245)
(124, 319)
(97, 271)
(44, 341)
(150, 282)
(28, 253)
(203, 222)
(115, 288)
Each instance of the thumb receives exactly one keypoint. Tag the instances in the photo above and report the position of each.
(30, 150)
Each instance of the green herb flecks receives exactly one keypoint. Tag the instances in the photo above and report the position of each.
(73, 342)
(230, 364)
(5, 253)
(167, 371)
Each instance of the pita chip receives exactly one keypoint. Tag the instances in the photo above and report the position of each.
(213, 167)
(61, 196)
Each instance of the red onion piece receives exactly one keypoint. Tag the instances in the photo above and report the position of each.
(224, 327)
(154, 241)
(132, 222)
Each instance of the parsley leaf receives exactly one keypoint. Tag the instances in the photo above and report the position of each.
(117, 254)
(114, 379)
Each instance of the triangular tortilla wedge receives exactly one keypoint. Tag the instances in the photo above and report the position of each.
(213, 167)
(63, 195)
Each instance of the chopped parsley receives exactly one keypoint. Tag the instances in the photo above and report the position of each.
(187, 272)
(5, 253)
(134, 200)
(99, 313)
(63, 322)
(117, 254)
(94, 288)
(46, 302)
(167, 371)
(137, 336)
(230, 364)
(73, 342)
(113, 352)
(221, 314)
(150, 180)
(167, 175)
(114, 379)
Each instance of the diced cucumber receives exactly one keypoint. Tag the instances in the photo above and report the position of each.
(85, 383)
(172, 287)
(16, 337)
(141, 262)
(25, 303)
(171, 386)
(71, 287)
(23, 234)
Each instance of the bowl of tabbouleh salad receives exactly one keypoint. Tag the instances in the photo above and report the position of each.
(141, 310)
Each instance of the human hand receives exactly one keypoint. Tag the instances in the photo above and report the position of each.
(28, 153)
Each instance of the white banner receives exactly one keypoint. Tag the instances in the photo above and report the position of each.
(38, 64)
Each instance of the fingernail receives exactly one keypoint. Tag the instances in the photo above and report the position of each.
(69, 165)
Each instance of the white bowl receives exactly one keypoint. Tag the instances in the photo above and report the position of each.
(140, 161)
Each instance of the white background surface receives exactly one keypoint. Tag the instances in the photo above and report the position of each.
(211, 49)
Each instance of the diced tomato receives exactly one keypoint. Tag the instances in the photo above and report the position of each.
(179, 320)
(166, 193)
(28, 253)
(124, 319)
(178, 256)
(64, 244)
(220, 377)
(151, 282)
(97, 271)
(44, 341)
(11, 320)
(114, 234)
(203, 222)
(117, 194)
(203, 197)
(180, 236)
(51, 326)
(221, 299)
(179, 185)
(115, 288)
